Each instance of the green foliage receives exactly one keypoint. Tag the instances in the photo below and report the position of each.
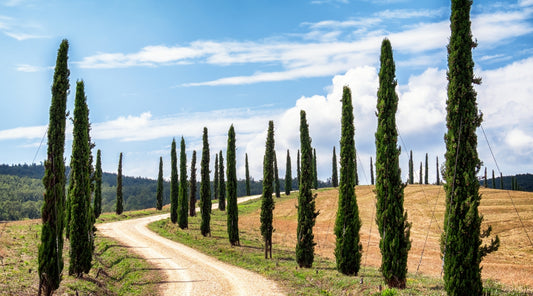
(119, 206)
(390, 216)
(426, 177)
(305, 244)
(461, 240)
(276, 176)
(334, 172)
(192, 186)
(267, 203)
(421, 174)
(183, 202)
(247, 176)
(160, 184)
(98, 185)
(315, 173)
(348, 247)
(288, 174)
(221, 183)
(174, 187)
(215, 177)
(298, 168)
(411, 174)
(51, 247)
(205, 188)
(371, 172)
(389, 292)
(438, 172)
(231, 170)
(81, 217)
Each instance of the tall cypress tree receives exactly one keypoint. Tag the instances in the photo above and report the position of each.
(315, 171)
(119, 208)
(371, 172)
(390, 216)
(305, 244)
(159, 194)
(183, 202)
(221, 183)
(355, 166)
(276, 176)
(267, 202)
(501, 181)
(493, 181)
(192, 186)
(288, 175)
(348, 247)
(298, 171)
(231, 188)
(80, 189)
(174, 187)
(51, 247)
(247, 175)
(215, 179)
(461, 240)
(411, 173)
(420, 179)
(438, 173)
(426, 177)
(205, 188)
(98, 185)
(334, 174)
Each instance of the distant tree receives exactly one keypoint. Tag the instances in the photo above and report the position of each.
(493, 180)
(348, 247)
(81, 228)
(426, 175)
(267, 203)
(174, 187)
(411, 173)
(216, 181)
(371, 172)
(334, 174)
(119, 208)
(315, 170)
(159, 196)
(98, 185)
(276, 176)
(183, 203)
(305, 244)
(420, 180)
(247, 176)
(192, 186)
(438, 177)
(221, 183)
(205, 188)
(462, 237)
(485, 179)
(288, 175)
(51, 247)
(390, 215)
(501, 181)
(231, 188)
(298, 166)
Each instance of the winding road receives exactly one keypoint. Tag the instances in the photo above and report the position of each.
(187, 271)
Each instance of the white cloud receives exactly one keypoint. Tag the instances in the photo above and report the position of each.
(31, 132)
(31, 68)
(410, 13)
(519, 141)
(525, 2)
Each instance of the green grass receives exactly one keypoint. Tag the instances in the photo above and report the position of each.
(113, 217)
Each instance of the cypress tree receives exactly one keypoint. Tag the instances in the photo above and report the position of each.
(51, 247)
(119, 206)
(159, 194)
(80, 189)
(183, 202)
(298, 167)
(215, 179)
(493, 180)
(461, 240)
(334, 175)
(98, 185)
(348, 247)
(315, 172)
(486, 184)
(355, 166)
(305, 245)
(231, 188)
(174, 187)
(426, 176)
(205, 189)
(221, 184)
(247, 176)
(371, 172)
(501, 181)
(390, 216)
(420, 179)
(411, 174)
(438, 176)
(267, 203)
(192, 186)
(276, 176)
(288, 175)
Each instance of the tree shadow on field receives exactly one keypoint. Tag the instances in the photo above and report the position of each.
(107, 247)
(166, 282)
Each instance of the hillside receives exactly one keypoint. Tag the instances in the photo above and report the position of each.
(525, 182)
(511, 264)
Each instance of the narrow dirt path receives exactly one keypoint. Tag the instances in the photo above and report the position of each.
(187, 271)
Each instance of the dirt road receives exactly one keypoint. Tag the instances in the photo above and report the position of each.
(187, 271)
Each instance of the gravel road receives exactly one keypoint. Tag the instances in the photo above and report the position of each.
(187, 271)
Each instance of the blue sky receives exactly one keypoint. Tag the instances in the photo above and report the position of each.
(155, 70)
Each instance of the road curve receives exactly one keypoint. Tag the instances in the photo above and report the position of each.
(187, 271)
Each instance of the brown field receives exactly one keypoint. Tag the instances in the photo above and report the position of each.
(511, 265)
